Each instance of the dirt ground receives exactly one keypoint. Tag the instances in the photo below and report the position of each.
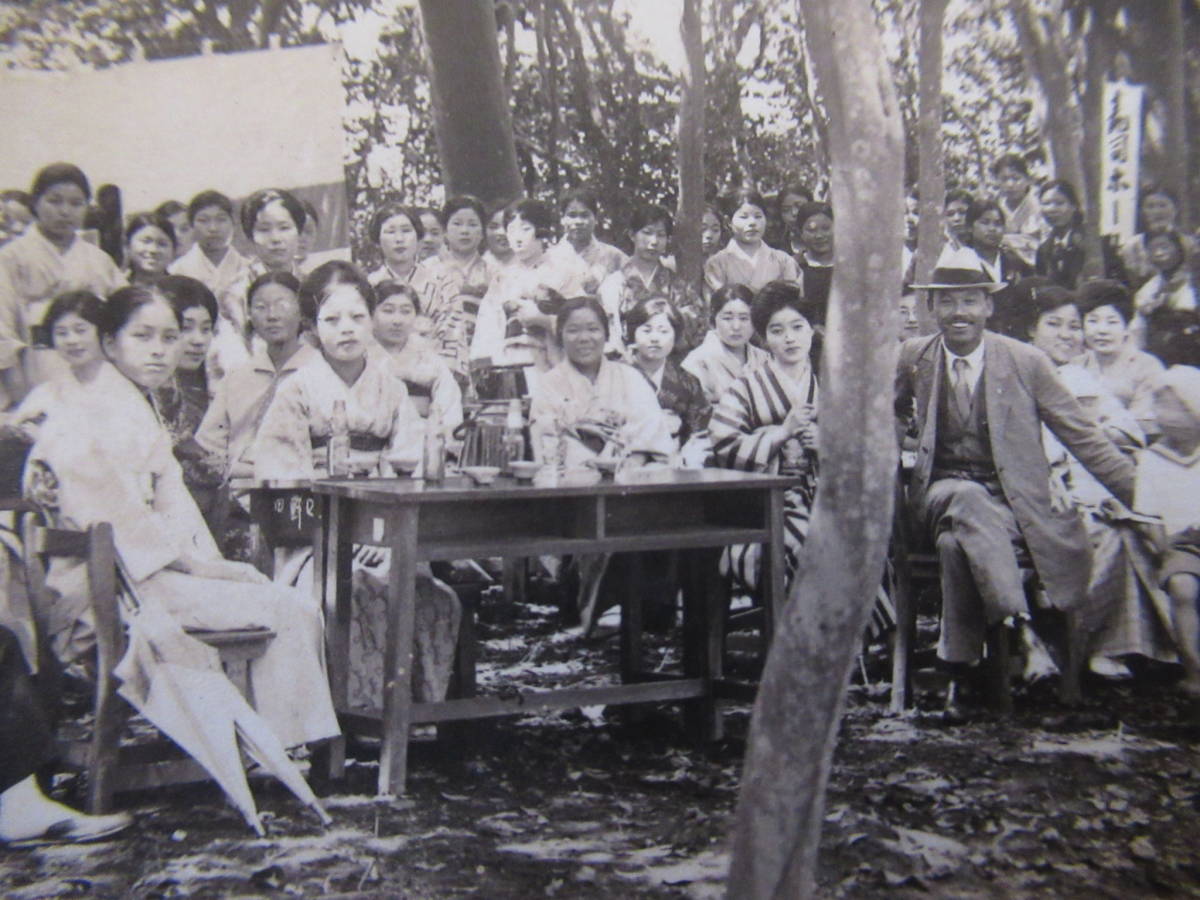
(1103, 801)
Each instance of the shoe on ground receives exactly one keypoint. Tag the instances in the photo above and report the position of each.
(1107, 667)
(77, 829)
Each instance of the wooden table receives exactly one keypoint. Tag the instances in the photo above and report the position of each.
(695, 511)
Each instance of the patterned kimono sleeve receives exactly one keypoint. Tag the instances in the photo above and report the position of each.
(741, 440)
(715, 275)
(283, 447)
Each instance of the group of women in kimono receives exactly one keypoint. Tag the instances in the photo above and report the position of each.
(147, 392)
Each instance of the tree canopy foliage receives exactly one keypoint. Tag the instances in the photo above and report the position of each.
(593, 102)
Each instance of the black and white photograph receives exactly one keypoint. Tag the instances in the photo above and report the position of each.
(689, 449)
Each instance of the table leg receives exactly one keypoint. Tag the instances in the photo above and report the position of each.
(333, 556)
(329, 760)
(401, 537)
(632, 584)
(774, 568)
(704, 601)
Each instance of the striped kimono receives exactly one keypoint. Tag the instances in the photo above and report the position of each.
(747, 434)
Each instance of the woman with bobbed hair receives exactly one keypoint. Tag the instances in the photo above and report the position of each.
(651, 329)
(645, 275)
(512, 329)
(397, 230)
(149, 247)
(47, 260)
(1111, 354)
(1061, 256)
(110, 460)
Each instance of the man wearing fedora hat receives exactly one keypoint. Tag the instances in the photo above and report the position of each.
(980, 481)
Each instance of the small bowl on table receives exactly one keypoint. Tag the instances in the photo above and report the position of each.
(481, 475)
(523, 470)
(403, 466)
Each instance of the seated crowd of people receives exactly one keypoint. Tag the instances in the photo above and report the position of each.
(151, 392)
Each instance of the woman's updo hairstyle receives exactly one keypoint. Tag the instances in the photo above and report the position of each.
(138, 221)
(536, 213)
(645, 310)
(184, 293)
(320, 282)
(84, 304)
(743, 197)
(385, 290)
(308, 311)
(1067, 189)
(391, 210)
(461, 202)
(1105, 292)
(575, 304)
(124, 302)
(725, 295)
(652, 214)
(777, 295)
(260, 199)
(59, 173)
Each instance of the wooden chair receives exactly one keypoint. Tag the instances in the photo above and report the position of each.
(111, 767)
(914, 567)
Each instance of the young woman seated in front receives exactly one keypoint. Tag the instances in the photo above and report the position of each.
(107, 458)
(353, 382)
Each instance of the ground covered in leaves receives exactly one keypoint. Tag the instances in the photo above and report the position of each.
(1102, 801)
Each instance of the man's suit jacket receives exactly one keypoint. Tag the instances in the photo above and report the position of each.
(1021, 391)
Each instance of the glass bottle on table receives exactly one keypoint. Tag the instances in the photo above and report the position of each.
(338, 449)
(434, 458)
(514, 435)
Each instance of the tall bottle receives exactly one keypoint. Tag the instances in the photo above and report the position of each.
(514, 435)
(338, 462)
(434, 458)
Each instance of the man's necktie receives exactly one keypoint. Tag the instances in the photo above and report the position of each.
(962, 390)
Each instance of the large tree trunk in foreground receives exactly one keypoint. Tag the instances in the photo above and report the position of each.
(803, 689)
(931, 178)
(691, 146)
(470, 110)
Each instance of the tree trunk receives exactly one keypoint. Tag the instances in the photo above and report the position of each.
(1177, 145)
(931, 177)
(691, 146)
(471, 116)
(1047, 63)
(802, 693)
(1101, 50)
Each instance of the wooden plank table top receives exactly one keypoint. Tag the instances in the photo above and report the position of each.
(696, 511)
